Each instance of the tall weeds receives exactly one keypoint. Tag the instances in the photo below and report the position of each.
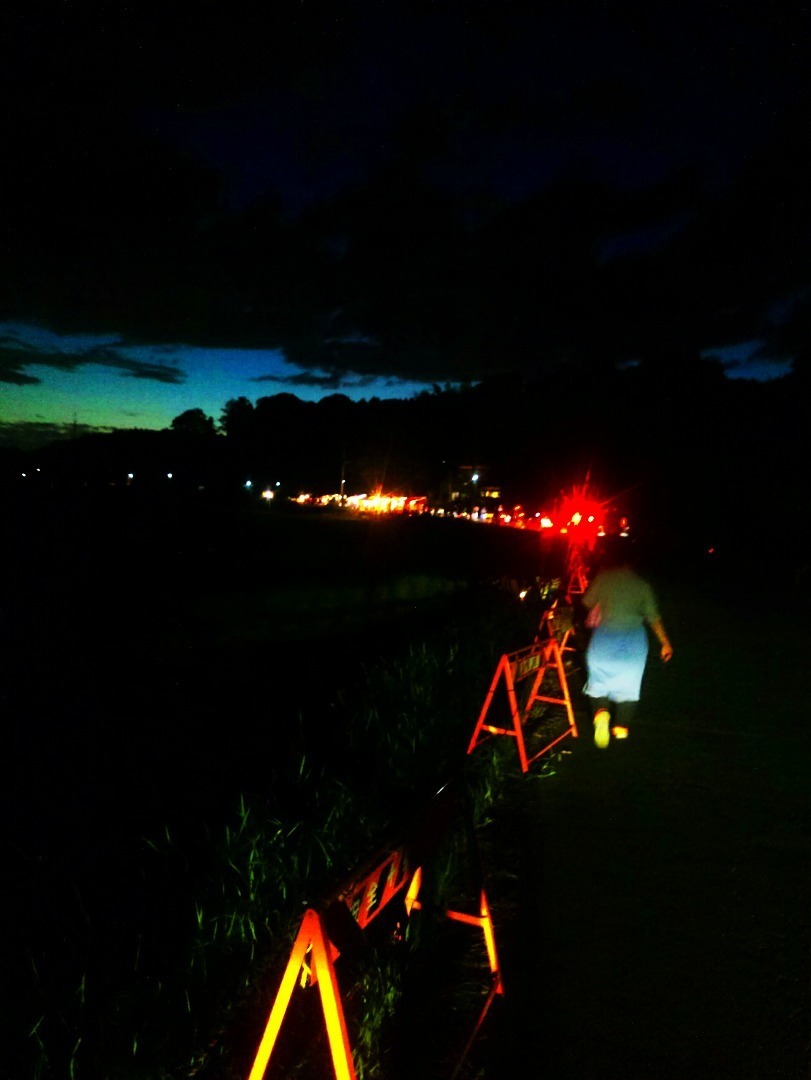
(188, 1003)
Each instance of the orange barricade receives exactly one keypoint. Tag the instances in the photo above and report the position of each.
(513, 668)
(312, 958)
(578, 577)
(559, 625)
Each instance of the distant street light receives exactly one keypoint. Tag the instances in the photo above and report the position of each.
(344, 463)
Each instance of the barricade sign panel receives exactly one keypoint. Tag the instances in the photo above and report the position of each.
(535, 664)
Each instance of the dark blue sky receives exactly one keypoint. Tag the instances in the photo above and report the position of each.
(372, 197)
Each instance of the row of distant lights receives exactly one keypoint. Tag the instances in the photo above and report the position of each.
(248, 483)
(382, 504)
(378, 503)
(545, 522)
(268, 493)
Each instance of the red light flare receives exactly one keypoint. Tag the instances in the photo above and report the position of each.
(581, 515)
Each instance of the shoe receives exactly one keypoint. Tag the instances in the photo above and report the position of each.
(602, 735)
(619, 732)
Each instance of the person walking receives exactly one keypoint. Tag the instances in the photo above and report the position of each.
(621, 606)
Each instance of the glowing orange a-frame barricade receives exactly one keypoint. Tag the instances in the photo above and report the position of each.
(312, 958)
(553, 626)
(578, 577)
(531, 662)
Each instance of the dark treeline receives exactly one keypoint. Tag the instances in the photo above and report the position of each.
(696, 449)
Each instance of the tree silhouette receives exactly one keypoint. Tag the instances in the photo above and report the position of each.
(237, 418)
(193, 422)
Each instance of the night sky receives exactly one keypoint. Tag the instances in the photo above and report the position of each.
(202, 202)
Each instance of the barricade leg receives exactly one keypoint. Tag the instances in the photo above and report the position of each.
(564, 686)
(552, 658)
(485, 922)
(312, 939)
(516, 730)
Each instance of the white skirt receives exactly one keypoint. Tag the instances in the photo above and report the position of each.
(615, 661)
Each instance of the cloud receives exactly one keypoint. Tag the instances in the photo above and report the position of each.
(17, 354)
(135, 369)
(328, 380)
(642, 240)
(238, 203)
(756, 359)
(11, 369)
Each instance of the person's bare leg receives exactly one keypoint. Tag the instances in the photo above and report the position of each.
(624, 714)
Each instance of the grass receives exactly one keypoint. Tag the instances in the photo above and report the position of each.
(236, 891)
(149, 950)
(410, 718)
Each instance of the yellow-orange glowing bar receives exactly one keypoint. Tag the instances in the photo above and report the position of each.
(484, 921)
(311, 938)
(411, 901)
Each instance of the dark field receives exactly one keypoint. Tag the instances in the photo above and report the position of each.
(123, 622)
(162, 661)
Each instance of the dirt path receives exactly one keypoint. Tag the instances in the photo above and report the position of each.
(658, 924)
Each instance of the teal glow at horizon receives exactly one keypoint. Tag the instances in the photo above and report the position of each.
(100, 380)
